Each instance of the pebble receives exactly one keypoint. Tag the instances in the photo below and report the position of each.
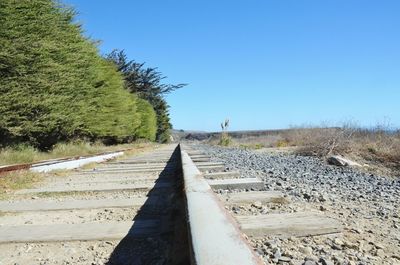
(306, 250)
(277, 254)
(284, 259)
(380, 253)
(257, 204)
(338, 241)
(325, 261)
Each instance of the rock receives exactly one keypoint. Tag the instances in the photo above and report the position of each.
(306, 196)
(284, 259)
(357, 230)
(341, 161)
(325, 261)
(322, 198)
(365, 247)
(288, 253)
(351, 245)
(396, 257)
(337, 244)
(273, 244)
(260, 251)
(379, 246)
(380, 253)
(339, 260)
(310, 262)
(338, 241)
(311, 258)
(257, 204)
(306, 250)
(277, 254)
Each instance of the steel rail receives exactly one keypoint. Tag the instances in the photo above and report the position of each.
(214, 236)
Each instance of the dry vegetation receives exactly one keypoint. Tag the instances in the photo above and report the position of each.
(16, 180)
(379, 148)
(27, 154)
(23, 179)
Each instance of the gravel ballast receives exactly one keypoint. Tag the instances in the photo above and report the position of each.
(367, 204)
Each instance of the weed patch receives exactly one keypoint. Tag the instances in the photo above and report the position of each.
(18, 180)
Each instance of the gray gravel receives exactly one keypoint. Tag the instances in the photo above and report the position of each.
(367, 204)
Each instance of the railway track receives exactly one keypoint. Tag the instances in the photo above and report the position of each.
(169, 206)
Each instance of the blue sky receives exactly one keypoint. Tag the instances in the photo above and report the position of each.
(264, 64)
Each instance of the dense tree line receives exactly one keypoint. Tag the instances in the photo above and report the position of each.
(147, 83)
(54, 85)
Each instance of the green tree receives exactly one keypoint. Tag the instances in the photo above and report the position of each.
(148, 118)
(54, 85)
(148, 84)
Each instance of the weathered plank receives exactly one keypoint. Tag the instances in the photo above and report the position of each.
(38, 205)
(200, 164)
(73, 232)
(240, 183)
(222, 175)
(196, 153)
(102, 187)
(129, 167)
(139, 163)
(104, 178)
(211, 168)
(124, 170)
(288, 224)
(201, 159)
(254, 196)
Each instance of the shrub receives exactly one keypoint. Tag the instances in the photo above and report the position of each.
(225, 140)
(325, 141)
(282, 143)
(21, 153)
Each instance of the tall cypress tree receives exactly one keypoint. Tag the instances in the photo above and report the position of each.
(54, 85)
(148, 84)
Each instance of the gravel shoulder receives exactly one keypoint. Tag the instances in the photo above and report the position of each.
(366, 204)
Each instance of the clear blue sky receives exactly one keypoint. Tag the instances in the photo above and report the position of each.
(263, 64)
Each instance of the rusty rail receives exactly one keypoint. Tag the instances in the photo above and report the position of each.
(25, 166)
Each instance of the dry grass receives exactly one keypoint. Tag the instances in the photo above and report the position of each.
(374, 145)
(17, 180)
(379, 147)
(257, 142)
(24, 179)
(249, 142)
(27, 154)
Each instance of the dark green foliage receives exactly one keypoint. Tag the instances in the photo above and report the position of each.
(147, 84)
(148, 118)
(54, 86)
